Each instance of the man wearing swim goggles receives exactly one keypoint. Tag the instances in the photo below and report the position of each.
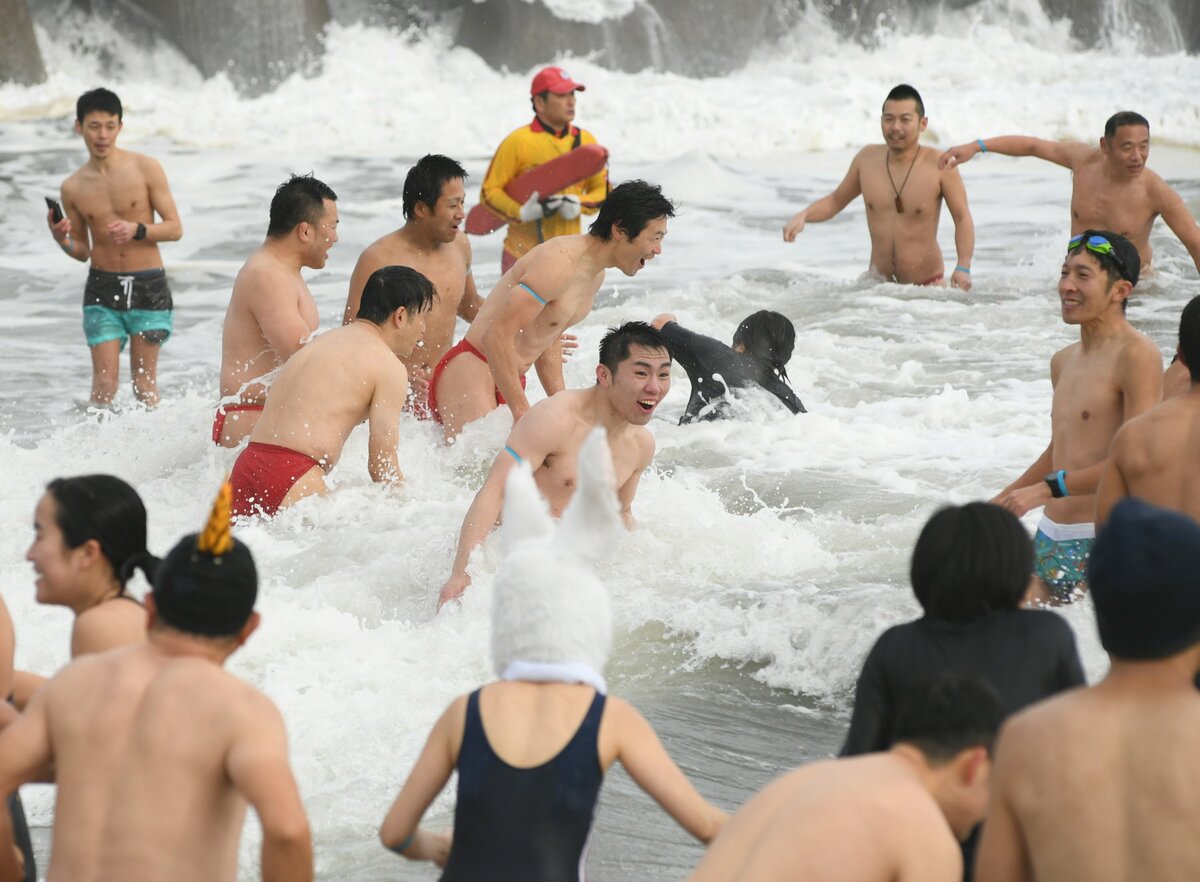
(1112, 374)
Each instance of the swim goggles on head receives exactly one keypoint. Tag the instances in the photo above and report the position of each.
(1099, 245)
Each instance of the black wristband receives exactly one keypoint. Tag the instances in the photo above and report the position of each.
(141, 232)
(1057, 482)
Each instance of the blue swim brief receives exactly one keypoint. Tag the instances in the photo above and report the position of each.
(1060, 554)
(118, 305)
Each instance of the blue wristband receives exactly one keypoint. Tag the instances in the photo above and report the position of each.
(982, 146)
(404, 846)
(1061, 479)
(963, 269)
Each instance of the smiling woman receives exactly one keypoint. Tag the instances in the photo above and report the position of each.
(89, 537)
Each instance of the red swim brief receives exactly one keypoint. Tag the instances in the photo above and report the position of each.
(263, 475)
(456, 350)
(224, 410)
(933, 280)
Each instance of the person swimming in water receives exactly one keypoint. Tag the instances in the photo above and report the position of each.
(89, 538)
(532, 748)
(762, 345)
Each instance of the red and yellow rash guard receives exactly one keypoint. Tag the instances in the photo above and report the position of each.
(526, 149)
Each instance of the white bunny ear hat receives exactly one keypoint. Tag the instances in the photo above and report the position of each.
(550, 614)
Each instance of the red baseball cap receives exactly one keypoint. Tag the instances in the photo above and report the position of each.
(554, 79)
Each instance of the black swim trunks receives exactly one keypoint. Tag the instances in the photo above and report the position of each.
(143, 289)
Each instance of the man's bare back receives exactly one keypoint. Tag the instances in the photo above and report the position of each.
(330, 386)
(1097, 785)
(1155, 457)
(271, 315)
(849, 820)
(200, 740)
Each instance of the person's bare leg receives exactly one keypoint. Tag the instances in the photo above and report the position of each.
(106, 369)
(143, 364)
(311, 483)
(465, 392)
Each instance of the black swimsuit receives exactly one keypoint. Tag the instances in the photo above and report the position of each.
(524, 825)
(712, 368)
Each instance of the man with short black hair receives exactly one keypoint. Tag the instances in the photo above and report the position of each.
(895, 816)
(1101, 784)
(156, 749)
(1154, 456)
(271, 312)
(902, 191)
(1110, 376)
(1111, 187)
(546, 292)
(342, 378)
(431, 243)
(632, 378)
(549, 136)
(108, 210)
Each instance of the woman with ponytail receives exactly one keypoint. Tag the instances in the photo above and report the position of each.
(89, 539)
(762, 346)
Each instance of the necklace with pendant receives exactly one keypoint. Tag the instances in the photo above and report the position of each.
(887, 159)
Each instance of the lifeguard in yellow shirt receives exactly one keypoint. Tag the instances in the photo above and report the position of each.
(550, 135)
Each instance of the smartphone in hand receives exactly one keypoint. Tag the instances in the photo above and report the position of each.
(53, 205)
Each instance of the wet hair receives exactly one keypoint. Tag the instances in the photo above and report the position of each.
(769, 336)
(630, 207)
(948, 713)
(1189, 337)
(615, 345)
(1124, 118)
(299, 199)
(426, 179)
(104, 508)
(1126, 266)
(971, 560)
(391, 287)
(903, 92)
(101, 100)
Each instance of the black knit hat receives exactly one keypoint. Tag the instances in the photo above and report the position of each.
(208, 583)
(1143, 579)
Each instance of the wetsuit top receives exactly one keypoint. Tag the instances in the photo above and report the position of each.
(524, 150)
(524, 825)
(1025, 654)
(712, 367)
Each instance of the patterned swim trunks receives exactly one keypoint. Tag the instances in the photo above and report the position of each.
(1060, 555)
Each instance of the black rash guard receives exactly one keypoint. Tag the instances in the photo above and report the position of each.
(524, 825)
(712, 367)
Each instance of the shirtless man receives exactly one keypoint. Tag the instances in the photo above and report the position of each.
(1111, 189)
(431, 243)
(546, 292)
(344, 377)
(1100, 784)
(156, 750)
(108, 216)
(633, 376)
(271, 312)
(1154, 456)
(883, 817)
(1110, 376)
(903, 190)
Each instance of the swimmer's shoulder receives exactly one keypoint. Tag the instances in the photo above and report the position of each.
(114, 623)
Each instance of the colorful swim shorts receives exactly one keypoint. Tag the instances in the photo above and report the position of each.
(118, 305)
(1060, 554)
